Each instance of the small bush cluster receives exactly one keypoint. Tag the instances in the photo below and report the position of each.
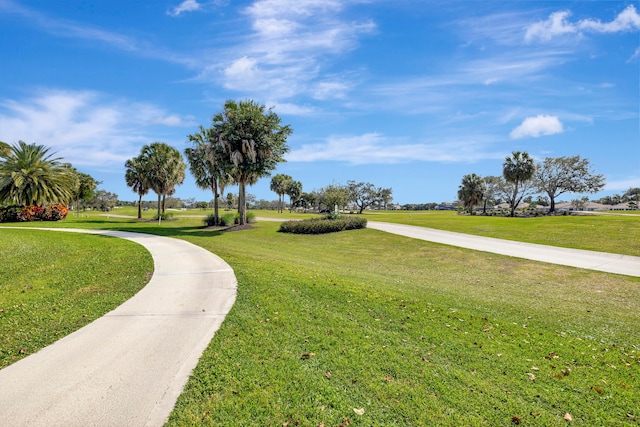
(228, 219)
(55, 212)
(323, 225)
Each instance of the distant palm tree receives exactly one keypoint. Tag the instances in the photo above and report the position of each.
(29, 175)
(136, 179)
(279, 184)
(208, 166)
(163, 170)
(517, 169)
(294, 191)
(471, 191)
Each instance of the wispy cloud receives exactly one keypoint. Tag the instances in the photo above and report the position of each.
(375, 148)
(185, 6)
(534, 127)
(85, 127)
(558, 24)
(285, 53)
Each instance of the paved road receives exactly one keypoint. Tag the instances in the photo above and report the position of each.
(600, 261)
(128, 367)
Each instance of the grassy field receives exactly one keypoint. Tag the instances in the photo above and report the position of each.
(605, 233)
(367, 328)
(54, 283)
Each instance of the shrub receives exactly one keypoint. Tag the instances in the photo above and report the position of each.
(164, 216)
(55, 212)
(210, 220)
(228, 219)
(323, 225)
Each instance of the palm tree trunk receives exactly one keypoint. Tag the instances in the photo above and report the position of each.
(140, 206)
(214, 187)
(242, 204)
(159, 202)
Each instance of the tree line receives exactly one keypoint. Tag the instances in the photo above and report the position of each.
(522, 177)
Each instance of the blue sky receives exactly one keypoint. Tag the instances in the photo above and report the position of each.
(405, 94)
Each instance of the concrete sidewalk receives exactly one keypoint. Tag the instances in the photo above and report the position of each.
(600, 261)
(128, 367)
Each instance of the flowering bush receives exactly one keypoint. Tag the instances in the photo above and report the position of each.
(55, 212)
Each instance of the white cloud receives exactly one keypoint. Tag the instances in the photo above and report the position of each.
(627, 20)
(185, 6)
(537, 126)
(374, 148)
(290, 43)
(635, 56)
(558, 24)
(85, 128)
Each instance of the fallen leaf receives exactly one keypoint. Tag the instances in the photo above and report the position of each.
(531, 376)
(307, 355)
(597, 390)
(359, 411)
(568, 418)
(516, 420)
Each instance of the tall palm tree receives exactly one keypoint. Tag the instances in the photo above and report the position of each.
(517, 169)
(136, 179)
(279, 184)
(471, 191)
(29, 175)
(254, 142)
(208, 166)
(163, 170)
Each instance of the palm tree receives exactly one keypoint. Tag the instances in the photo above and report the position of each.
(207, 165)
(136, 179)
(294, 191)
(471, 191)
(279, 185)
(517, 169)
(29, 175)
(253, 141)
(163, 170)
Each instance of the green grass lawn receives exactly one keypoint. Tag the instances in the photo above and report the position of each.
(413, 333)
(605, 233)
(367, 328)
(54, 283)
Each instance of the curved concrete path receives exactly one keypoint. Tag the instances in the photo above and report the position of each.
(128, 367)
(600, 261)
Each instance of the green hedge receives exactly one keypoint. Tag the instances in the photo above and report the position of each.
(323, 225)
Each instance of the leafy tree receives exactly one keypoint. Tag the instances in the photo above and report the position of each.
(29, 175)
(307, 201)
(386, 197)
(294, 191)
(254, 141)
(517, 170)
(471, 191)
(332, 196)
(491, 190)
(208, 165)
(135, 176)
(571, 174)
(163, 170)
(632, 195)
(279, 185)
(104, 200)
(365, 194)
